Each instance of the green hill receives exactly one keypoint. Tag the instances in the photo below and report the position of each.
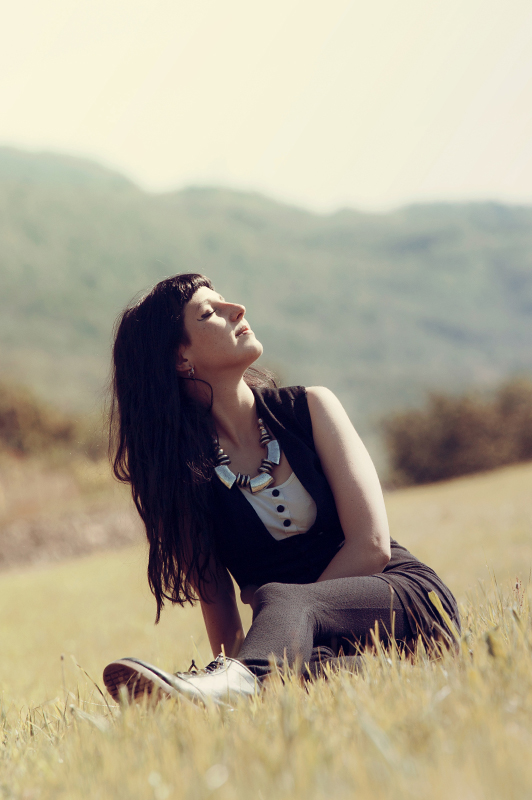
(379, 307)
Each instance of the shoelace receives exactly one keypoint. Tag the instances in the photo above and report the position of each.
(216, 664)
(212, 667)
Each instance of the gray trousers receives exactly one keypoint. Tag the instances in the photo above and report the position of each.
(307, 622)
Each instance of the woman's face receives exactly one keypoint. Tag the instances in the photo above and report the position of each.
(219, 337)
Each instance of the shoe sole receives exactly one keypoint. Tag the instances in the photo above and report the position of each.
(138, 682)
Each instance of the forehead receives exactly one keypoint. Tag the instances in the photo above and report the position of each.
(202, 295)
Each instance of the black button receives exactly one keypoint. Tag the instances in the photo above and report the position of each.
(280, 508)
(276, 493)
(286, 523)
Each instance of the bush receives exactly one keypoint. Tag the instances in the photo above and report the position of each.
(28, 426)
(456, 436)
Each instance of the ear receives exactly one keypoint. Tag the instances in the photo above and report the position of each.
(182, 363)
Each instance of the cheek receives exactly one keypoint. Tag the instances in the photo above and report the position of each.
(213, 335)
(210, 340)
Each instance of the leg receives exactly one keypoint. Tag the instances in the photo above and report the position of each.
(289, 619)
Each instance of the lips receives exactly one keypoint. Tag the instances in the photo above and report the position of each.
(245, 329)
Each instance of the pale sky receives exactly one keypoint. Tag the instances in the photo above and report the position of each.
(324, 103)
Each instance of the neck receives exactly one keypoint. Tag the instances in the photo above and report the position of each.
(233, 409)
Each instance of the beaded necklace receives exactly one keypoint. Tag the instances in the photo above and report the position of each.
(260, 481)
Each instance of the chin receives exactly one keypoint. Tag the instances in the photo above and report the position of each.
(259, 348)
(253, 353)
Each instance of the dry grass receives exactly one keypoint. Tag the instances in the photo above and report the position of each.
(469, 528)
(55, 509)
(460, 727)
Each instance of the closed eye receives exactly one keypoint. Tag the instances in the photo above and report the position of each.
(206, 315)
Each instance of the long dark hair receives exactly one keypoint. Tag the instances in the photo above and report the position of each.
(161, 441)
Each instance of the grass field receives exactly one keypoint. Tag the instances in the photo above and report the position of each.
(460, 727)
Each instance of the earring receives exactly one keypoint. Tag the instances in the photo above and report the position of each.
(191, 374)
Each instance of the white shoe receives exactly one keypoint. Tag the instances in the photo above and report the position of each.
(222, 681)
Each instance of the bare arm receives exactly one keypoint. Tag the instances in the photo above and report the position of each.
(355, 486)
(221, 616)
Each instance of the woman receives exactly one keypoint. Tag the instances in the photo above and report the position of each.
(232, 476)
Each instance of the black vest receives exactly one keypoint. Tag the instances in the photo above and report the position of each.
(243, 543)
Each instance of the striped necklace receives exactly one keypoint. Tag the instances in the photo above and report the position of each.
(260, 481)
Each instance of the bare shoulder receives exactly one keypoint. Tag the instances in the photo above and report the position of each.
(323, 403)
(330, 421)
(320, 396)
(318, 390)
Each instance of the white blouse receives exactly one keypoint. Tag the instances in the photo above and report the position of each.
(285, 510)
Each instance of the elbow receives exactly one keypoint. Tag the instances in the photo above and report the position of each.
(383, 560)
(382, 557)
(371, 560)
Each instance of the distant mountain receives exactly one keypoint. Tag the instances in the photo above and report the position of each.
(379, 307)
(56, 169)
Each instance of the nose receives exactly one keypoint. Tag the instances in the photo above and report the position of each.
(237, 311)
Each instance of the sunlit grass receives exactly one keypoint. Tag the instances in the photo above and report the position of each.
(469, 528)
(457, 727)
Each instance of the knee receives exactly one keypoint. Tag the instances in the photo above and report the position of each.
(272, 594)
(288, 600)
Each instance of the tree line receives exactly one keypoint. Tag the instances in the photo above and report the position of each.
(450, 436)
(30, 426)
(455, 435)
